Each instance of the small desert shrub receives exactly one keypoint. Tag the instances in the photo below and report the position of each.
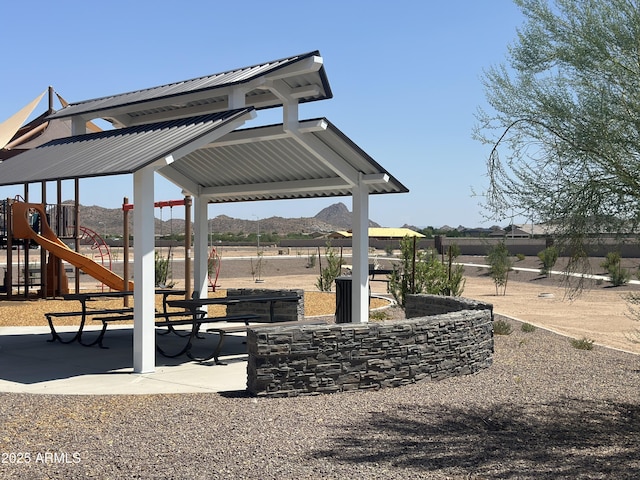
(582, 343)
(613, 264)
(500, 264)
(502, 327)
(311, 261)
(378, 316)
(548, 258)
(162, 270)
(527, 328)
(520, 256)
(331, 271)
(620, 277)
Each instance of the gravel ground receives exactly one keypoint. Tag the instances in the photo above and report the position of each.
(543, 410)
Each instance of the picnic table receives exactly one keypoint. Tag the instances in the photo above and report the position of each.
(195, 305)
(85, 312)
(191, 316)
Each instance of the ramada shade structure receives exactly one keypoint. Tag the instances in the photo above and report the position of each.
(189, 132)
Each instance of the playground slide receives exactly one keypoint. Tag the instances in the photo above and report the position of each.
(49, 241)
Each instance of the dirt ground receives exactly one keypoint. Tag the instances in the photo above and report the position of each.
(600, 313)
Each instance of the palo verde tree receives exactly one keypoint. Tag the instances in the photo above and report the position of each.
(563, 122)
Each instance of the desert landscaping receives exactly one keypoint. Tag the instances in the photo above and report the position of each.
(542, 410)
(599, 313)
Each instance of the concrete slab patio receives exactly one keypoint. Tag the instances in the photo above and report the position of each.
(31, 364)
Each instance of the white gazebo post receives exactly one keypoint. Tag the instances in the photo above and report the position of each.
(360, 246)
(200, 246)
(144, 345)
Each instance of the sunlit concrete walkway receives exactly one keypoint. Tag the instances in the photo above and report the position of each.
(30, 364)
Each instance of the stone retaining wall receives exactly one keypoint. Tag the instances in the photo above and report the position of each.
(282, 311)
(426, 305)
(313, 359)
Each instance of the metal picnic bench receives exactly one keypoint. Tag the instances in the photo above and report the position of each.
(194, 307)
(85, 312)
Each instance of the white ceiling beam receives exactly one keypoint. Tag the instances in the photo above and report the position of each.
(275, 188)
(306, 91)
(218, 132)
(177, 178)
(193, 111)
(328, 157)
(375, 178)
(264, 98)
(264, 134)
(311, 143)
(169, 171)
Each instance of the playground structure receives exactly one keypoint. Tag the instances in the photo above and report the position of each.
(25, 226)
(23, 268)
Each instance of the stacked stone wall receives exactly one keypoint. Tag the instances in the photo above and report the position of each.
(282, 311)
(423, 305)
(313, 359)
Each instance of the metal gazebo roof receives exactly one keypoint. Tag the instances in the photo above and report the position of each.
(302, 76)
(263, 163)
(189, 133)
(268, 163)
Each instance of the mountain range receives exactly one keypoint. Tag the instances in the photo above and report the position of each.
(109, 222)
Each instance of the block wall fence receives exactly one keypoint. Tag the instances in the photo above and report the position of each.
(441, 337)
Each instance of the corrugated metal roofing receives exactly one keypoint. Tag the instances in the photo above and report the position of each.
(262, 163)
(265, 163)
(113, 152)
(202, 95)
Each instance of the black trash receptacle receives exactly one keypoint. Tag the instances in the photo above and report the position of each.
(343, 300)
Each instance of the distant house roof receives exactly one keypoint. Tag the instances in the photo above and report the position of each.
(381, 233)
(537, 229)
(512, 231)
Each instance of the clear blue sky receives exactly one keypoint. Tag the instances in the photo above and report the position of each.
(405, 76)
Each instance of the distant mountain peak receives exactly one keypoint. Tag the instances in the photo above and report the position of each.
(339, 215)
(334, 217)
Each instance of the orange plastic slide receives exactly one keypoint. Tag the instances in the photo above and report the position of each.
(49, 241)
